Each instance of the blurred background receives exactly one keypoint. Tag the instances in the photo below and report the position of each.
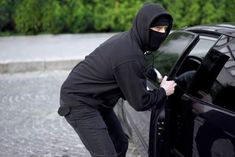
(80, 16)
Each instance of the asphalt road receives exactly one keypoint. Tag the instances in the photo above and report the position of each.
(29, 124)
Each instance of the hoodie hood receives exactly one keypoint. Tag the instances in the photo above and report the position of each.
(143, 20)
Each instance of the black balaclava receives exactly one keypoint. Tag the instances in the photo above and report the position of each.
(145, 18)
(156, 38)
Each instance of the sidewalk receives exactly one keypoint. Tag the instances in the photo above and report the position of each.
(46, 52)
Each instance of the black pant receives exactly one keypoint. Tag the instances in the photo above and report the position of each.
(99, 130)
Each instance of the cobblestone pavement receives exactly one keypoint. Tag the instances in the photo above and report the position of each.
(29, 124)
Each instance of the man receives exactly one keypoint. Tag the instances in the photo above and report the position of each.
(116, 69)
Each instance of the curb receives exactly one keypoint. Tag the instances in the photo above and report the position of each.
(47, 52)
(30, 66)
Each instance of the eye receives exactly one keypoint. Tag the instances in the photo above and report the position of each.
(161, 29)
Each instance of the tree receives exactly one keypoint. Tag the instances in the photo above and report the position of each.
(230, 11)
(184, 12)
(115, 15)
(53, 19)
(213, 11)
(28, 16)
(7, 9)
(78, 15)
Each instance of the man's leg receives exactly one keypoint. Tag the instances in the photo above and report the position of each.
(116, 133)
(93, 132)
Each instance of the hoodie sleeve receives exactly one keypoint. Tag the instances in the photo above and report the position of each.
(132, 83)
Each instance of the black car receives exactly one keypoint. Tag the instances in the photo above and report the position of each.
(198, 120)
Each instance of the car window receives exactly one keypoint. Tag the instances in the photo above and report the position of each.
(170, 50)
(194, 58)
(220, 92)
(224, 87)
(203, 46)
(227, 46)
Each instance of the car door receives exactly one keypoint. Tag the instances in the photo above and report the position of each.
(177, 46)
(201, 116)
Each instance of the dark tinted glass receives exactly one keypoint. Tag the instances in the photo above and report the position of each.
(227, 46)
(222, 91)
(170, 50)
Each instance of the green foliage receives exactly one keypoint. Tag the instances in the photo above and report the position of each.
(53, 19)
(75, 16)
(194, 12)
(4, 14)
(229, 11)
(78, 16)
(114, 15)
(28, 16)
(7, 8)
(184, 12)
(213, 11)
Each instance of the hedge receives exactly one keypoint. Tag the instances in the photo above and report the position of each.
(79, 16)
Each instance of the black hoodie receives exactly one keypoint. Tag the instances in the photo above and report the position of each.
(117, 69)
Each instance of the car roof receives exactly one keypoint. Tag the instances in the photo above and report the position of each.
(216, 29)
